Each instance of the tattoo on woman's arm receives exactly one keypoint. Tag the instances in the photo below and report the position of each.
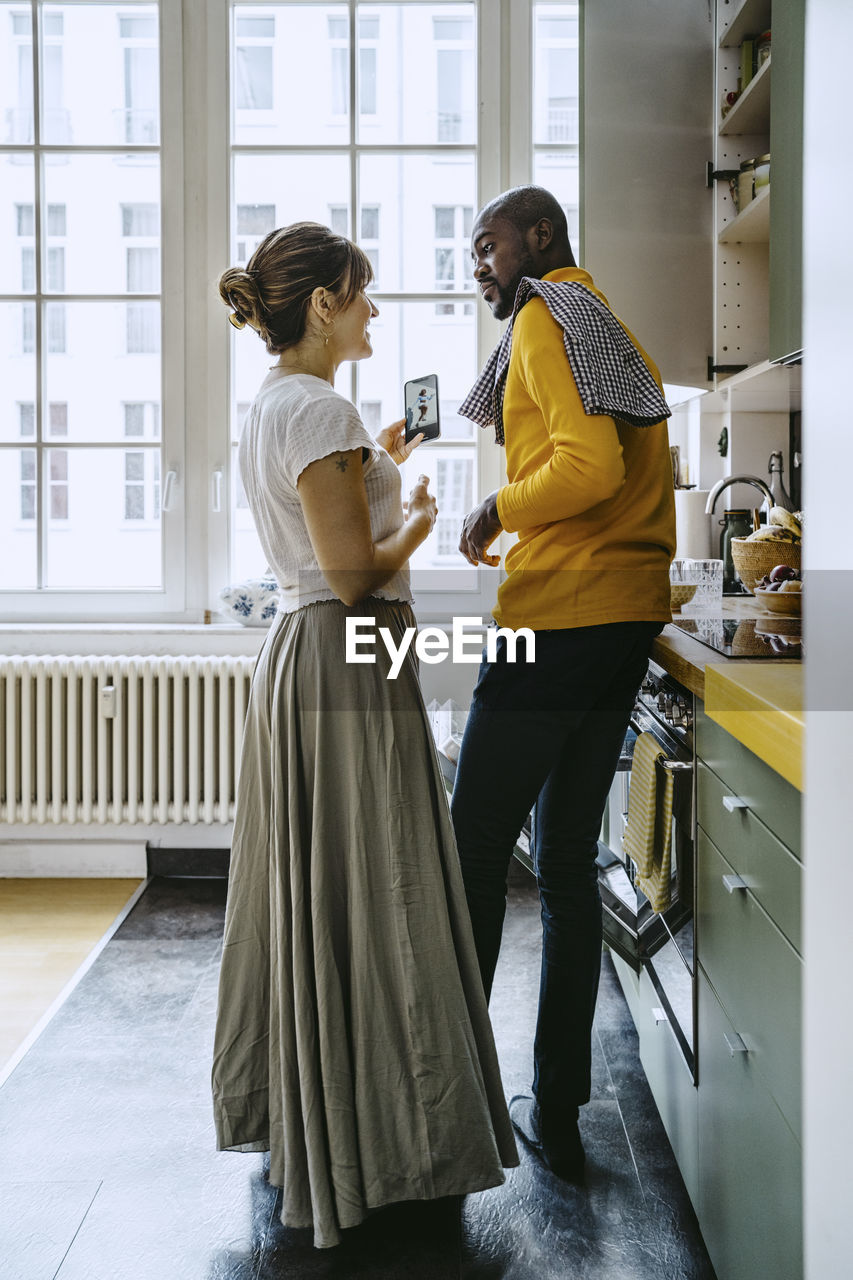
(342, 463)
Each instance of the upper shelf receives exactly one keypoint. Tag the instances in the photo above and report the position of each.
(751, 19)
(751, 112)
(752, 225)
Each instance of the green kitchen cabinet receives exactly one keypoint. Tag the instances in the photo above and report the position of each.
(750, 1181)
(750, 970)
(755, 973)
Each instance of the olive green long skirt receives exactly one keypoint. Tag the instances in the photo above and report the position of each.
(352, 1037)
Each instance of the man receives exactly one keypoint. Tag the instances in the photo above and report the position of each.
(579, 407)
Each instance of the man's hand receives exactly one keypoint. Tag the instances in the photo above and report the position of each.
(481, 527)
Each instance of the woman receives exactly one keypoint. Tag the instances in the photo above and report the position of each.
(352, 1037)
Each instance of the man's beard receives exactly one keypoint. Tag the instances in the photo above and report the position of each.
(506, 293)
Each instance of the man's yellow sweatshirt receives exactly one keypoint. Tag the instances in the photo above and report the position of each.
(590, 497)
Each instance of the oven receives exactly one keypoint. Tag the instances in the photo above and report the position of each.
(661, 943)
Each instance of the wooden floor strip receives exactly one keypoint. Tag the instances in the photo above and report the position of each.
(51, 930)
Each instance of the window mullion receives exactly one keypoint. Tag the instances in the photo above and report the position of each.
(353, 153)
(42, 507)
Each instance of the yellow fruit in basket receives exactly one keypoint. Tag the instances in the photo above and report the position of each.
(791, 584)
(772, 533)
(783, 519)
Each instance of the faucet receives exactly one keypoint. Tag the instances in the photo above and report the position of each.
(755, 481)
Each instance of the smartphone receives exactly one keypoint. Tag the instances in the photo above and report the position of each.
(420, 397)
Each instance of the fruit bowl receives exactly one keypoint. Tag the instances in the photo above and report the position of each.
(787, 602)
(755, 559)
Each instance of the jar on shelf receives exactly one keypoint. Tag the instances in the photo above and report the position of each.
(761, 173)
(745, 184)
(762, 50)
(727, 102)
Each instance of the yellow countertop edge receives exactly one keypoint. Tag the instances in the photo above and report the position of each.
(761, 706)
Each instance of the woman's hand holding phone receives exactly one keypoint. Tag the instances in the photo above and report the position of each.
(393, 441)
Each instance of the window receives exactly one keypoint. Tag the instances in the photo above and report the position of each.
(143, 270)
(24, 219)
(368, 53)
(143, 337)
(28, 329)
(55, 312)
(58, 484)
(81, 194)
(57, 419)
(369, 239)
(254, 37)
(142, 418)
(371, 415)
(371, 118)
(339, 219)
(56, 269)
(254, 223)
(454, 60)
(28, 484)
(454, 493)
(141, 220)
(556, 94)
(393, 156)
(138, 37)
(28, 269)
(141, 485)
(453, 270)
(140, 224)
(26, 420)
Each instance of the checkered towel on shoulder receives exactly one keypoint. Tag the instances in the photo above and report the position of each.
(611, 375)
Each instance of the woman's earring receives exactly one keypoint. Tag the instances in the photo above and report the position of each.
(328, 335)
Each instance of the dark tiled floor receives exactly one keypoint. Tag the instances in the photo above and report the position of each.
(109, 1170)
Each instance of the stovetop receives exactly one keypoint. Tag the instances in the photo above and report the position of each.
(774, 636)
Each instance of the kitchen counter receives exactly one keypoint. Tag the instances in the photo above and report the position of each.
(758, 701)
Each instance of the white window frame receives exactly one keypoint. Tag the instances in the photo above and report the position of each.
(492, 176)
(168, 603)
(196, 447)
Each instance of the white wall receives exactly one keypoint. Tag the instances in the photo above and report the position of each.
(828, 469)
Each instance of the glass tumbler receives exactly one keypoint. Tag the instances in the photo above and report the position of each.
(708, 575)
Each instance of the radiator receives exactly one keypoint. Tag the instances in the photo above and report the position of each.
(121, 739)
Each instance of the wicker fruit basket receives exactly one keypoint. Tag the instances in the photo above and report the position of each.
(755, 559)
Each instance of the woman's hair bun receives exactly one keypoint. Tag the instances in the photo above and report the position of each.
(238, 290)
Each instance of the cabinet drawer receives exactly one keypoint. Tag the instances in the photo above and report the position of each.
(671, 1084)
(756, 974)
(749, 1161)
(769, 796)
(773, 873)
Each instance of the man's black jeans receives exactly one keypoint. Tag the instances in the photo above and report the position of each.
(548, 734)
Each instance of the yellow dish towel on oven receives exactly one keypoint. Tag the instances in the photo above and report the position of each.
(648, 831)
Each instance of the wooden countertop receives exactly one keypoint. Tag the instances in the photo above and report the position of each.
(758, 701)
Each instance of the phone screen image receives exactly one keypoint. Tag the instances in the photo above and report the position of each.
(421, 404)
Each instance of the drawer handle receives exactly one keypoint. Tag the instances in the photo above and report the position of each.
(735, 1043)
(734, 882)
(659, 1015)
(734, 802)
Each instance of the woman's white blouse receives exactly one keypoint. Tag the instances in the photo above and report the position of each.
(294, 420)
